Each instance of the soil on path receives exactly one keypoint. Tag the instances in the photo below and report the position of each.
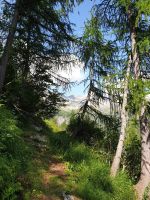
(54, 180)
(54, 176)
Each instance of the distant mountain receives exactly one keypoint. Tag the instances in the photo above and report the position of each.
(71, 97)
(74, 102)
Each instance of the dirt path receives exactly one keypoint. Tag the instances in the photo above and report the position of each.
(56, 170)
(53, 172)
(54, 181)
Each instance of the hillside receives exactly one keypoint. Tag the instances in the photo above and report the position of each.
(75, 102)
(45, 163)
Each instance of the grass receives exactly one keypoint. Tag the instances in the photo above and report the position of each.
(24, 162)
(88, 172)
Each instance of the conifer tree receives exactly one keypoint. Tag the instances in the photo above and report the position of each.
(97, 54)
(125, 18)
(42, 42)
(9, 41)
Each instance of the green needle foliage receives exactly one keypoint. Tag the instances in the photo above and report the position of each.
(42, 45)
(97, 54)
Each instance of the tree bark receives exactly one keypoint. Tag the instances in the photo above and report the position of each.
(5, 56)
(124, 119)
(144, 180)
(134, 51)
(135, 55)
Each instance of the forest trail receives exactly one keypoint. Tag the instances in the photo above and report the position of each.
(56, 169)
(62, 168)
(54, 180)
(53, 176)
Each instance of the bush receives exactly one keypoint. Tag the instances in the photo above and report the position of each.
(123, 188)
(91, 178)
(9, 186)
(132, 152)
(13, 155)
(99, 135)
(32, 97)
(77, 153)
(85, 129)
(89, 174)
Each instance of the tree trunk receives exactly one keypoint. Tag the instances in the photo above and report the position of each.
(8, 45)
(145, 154)
(134, 60)
(134, 51)
(124, 118)
(135, 56)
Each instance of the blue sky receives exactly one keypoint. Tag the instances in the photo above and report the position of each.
(79, 16)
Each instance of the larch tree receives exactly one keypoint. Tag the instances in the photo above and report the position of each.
(144, 121)
(97, 54)
(124, 18)
(143, 101)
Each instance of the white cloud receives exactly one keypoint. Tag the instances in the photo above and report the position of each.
(74, 71)
(75, 74)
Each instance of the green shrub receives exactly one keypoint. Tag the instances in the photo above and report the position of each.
(13, 155)
(103, 136)
(32, 98)
(85, 129)
(89, 173)
(93, 181)
(132, 152)
(111, 135)
(9, 186)
(77, 153)
(51, 124)
(123, 188)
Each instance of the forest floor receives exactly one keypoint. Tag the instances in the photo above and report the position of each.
(54, 180)
(61, 166)
(49, 173)
(42, 161)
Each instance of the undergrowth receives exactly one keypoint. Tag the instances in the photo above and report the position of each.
(23, 161)
(88, 170)
(14, 154)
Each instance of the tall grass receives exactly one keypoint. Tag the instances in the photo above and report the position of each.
(88, 171)
(21, 165)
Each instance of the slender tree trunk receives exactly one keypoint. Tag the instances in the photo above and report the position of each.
(124, 119)
(144, 180)
(145, 154)
(135, 55)
(8, 45)
(134, 51)
(134, 63)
